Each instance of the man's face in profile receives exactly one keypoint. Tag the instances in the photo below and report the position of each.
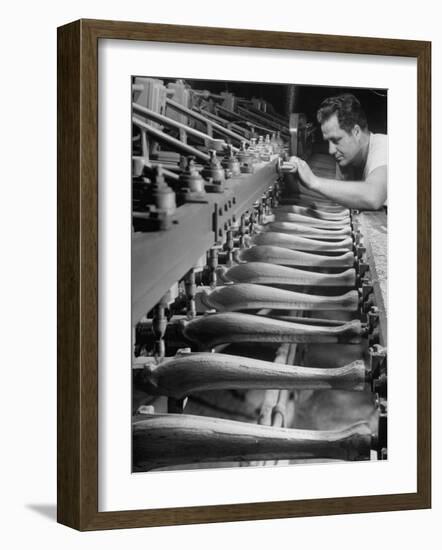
(343, 146)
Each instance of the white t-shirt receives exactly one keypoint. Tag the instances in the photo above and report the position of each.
(377, 153)
(377, 156)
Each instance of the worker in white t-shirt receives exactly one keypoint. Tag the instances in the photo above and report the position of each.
(361, 157)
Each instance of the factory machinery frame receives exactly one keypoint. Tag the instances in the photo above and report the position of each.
(175, 269)
(235, 209)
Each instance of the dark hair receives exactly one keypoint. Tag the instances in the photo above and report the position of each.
(348, 110)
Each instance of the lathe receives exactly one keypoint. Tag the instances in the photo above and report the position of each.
(258, 308)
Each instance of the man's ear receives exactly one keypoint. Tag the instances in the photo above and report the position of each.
(356, 131)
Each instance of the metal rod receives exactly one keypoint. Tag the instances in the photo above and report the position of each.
(228, 123)
(238, 116)
(152, 115)
(174, 143)
(262, 119)
(201, 118)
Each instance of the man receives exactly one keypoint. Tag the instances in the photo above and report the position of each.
(361, 157)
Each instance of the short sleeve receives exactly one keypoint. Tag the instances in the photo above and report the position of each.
(377, 153)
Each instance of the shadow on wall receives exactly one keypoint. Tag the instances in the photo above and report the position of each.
(48, 511)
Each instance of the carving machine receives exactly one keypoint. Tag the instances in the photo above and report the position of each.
(259, 326)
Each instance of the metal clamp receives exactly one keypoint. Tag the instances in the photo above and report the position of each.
(378, 370)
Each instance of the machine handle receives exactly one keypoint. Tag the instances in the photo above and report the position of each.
(175, 439)
(295, 242)
(284, 256)
(267, 274)
(223, 328)
(252, 296)
(190, 372)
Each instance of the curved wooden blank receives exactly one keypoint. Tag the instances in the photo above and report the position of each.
(268, 274)
(314, 213)
(190, 372)
(295, 242)
(285, 256)
(224, 328)
(308, 202)
(173, 439)
(251, 296)
(307, 231)
(300, 219)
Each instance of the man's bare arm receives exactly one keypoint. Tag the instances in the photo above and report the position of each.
(365, 195)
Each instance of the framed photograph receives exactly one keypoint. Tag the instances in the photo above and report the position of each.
(241, 216)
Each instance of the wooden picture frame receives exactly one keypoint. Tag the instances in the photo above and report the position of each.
(78, 274)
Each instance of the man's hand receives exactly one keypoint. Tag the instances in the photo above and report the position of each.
(295, 164)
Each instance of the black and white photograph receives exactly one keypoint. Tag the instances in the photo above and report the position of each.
(259, 274)
(218, 302)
